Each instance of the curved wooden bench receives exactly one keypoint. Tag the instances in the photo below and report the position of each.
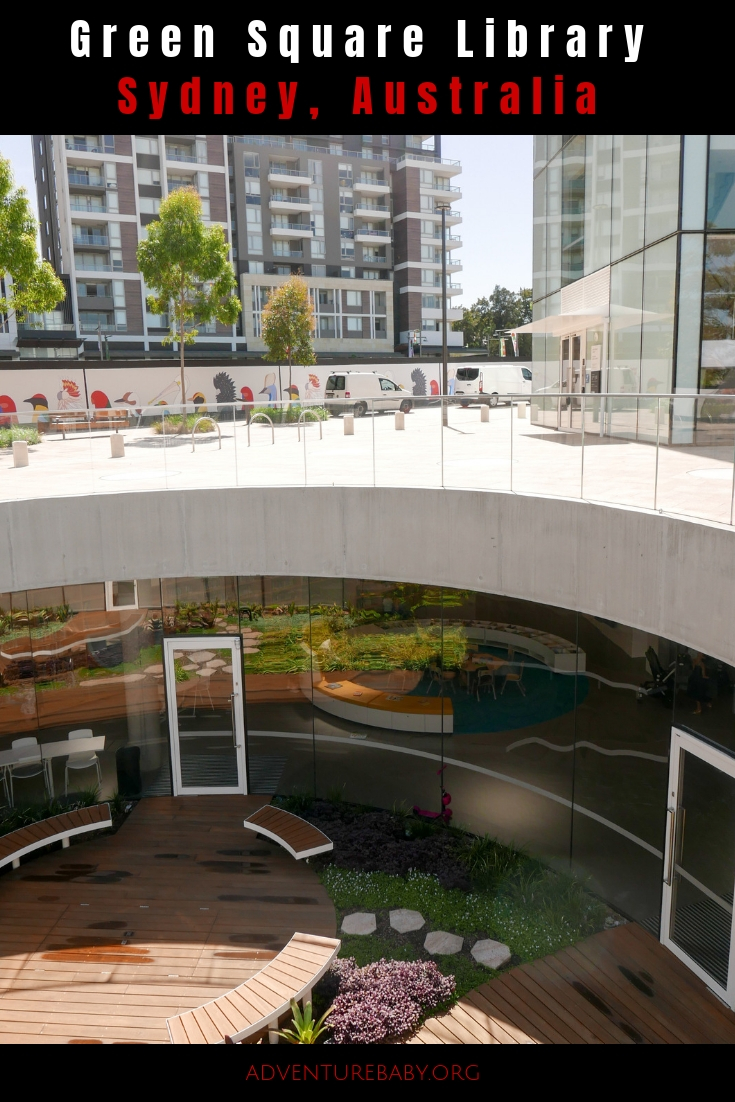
(300, 838)
(257, 1004)
(61, 828)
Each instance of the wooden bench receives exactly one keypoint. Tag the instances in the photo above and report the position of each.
(300, 838)
(59, 828)
(257, 1004)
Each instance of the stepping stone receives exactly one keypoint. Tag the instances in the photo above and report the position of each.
(154, 669)
(215, 663)
(190, 667)
(360, 923)
(404, 921)
(205, 672)
(493, 954)
(440, 943)
(202, 656)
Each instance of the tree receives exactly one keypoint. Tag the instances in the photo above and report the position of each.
(503, 309)
(287, 324)
(36, 287)
(186, 265)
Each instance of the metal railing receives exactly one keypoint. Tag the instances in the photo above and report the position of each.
(288, 199)
(86, 147)
(670, 454)
(290, 252)
(359, 154)
(296, 172)
(384, 234)
(300, 226)
(440, 187)
(85, 180)
(99, 239)
(372, 183)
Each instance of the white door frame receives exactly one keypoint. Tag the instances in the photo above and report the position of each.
(205, 642)
(682, 741)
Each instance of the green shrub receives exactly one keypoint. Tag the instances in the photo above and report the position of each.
(171, 425)
(28, 433)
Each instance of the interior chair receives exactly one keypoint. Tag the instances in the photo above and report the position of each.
(516, 677)
(82, 759)
(485, 680)
(435, 675)
(25, 770)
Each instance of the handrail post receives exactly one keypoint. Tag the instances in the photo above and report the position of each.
(658, 435)
(441, 437)
(511, 444)
(732, 495)
(581, 472)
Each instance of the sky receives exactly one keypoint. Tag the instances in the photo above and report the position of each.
(496, 206)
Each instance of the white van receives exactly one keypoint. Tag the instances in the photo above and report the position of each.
(366, 389)
(491, 383)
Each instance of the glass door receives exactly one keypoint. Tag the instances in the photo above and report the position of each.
(699, 862)
(205, 714)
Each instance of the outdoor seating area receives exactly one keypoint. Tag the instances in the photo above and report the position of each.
(27, 758)
(57, 828)
(300, 838)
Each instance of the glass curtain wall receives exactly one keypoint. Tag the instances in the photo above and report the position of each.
(546, 728)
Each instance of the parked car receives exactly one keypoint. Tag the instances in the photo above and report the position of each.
(491, 383)
(366, 389)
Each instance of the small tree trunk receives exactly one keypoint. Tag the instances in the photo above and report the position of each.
(182, 427)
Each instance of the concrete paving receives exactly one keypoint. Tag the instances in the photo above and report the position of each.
(506, 453)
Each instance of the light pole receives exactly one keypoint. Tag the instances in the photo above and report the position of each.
(444, 207)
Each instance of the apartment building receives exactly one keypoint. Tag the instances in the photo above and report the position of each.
(358, 216)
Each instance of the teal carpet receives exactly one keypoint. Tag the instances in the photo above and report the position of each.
(548, 696)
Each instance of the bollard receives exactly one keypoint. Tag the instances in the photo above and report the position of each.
(485, 413)
(400, 420)
(117, 446)
(522, 410)
(349, 423)
(20, 453)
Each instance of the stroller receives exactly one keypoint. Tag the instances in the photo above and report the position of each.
(662, 684)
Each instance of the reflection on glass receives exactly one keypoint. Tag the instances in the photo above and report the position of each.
(721, 182)
(572, 209)
(718, 315)
(205, 725)
(704, 867)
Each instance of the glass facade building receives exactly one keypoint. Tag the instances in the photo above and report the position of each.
(633, 277)
(553, 727)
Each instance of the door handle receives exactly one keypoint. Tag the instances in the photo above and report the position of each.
(232, 717)
(672, 842)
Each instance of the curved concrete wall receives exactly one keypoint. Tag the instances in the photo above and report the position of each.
(668, 576)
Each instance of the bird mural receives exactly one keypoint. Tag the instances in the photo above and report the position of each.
(418, 381)
(434, 386)
(99, 399)
(7, 409)
(70, 396)
(224, 387)
(200, 402)
(291, 393)
(40, 407)
(246, 394)
(171, 390)
(130, 400)
(269, 387)
(312, 386)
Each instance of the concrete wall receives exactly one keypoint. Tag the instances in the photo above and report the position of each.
(663, 575)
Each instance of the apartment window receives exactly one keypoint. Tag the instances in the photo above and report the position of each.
(148, 146)
(47, 229)
(318, 248)
(316, 171)
(431, 255)
(255, 243)
(283, 269)
(354, 325)
(149, 177)
(318, 269)
(371, 273)
(317, 224)
(345, 176)
(353, 298)
(430, 278)
(347, 273)
(146, 205)
(429, 228)
(91, 262)
(348, 250)
(256, 267)
(252, 189)
(346, 225)
(427, 203)
(379, 301)
(327, 327)
(316, 197)
(346, 202)
(254, 216)
(326, 298)
(384, 139)
(202, 184)
(431, 302)
(335, 147)
(43, 175)
(118, 293)
(252, 164)
(426, 177)
(45, 202)
(381, 329)
(40, 148)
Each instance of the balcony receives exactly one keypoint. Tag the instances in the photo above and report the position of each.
(290, 177)
(379, 213)
(371, 237)
(297, 253)
(375, 259)
(290, 203)
(104, 327)
(83, 265)
(451, 192)
(85, 179)
(180, 155)
(99, 241)
(85, 204)
(370, 187)
(452, 242)
(88, 147)
(290, 229)
(420, 160)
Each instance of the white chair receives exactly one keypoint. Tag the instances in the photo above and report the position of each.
(25, 770)
(82, 759)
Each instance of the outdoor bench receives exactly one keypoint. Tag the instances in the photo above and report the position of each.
(59, 828)
(257, 1004)
(300, 838)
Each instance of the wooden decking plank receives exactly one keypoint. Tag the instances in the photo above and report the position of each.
(483, 1014)
(537, 986)
(559, 977)
(464, 1026)
(522, 1015)
(482, 1000)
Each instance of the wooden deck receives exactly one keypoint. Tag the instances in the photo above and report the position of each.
(102, 942)
(620, 987)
